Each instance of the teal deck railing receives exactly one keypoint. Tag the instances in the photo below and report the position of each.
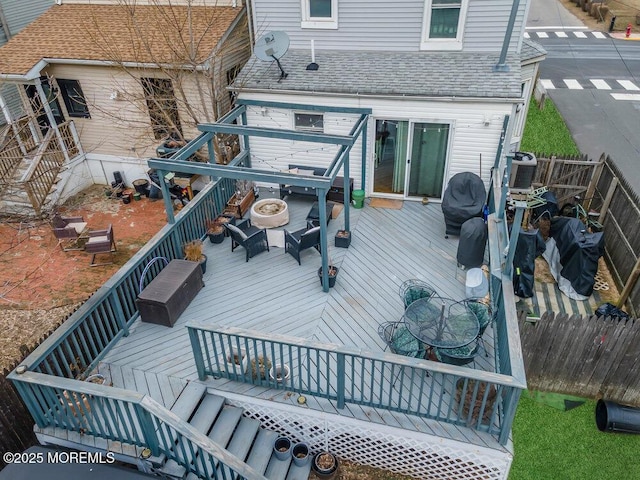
(130, 417)
(49, 381)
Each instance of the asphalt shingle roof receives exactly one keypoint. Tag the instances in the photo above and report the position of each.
(531, 50)
(153, 34)
(435, 74)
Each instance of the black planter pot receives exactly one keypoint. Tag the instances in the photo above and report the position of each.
(323, 471)
(343, 242)
(216, 237)
(203, 263)
(332, 278)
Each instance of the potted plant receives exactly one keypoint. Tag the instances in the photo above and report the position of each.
(237, 361)
(215, 231)
(193, 253)
(280, 373)
(260, 367)
(325, 465)
(242, 199)
(300, 453)
(282, 448)
(343, 238)
(333, 273)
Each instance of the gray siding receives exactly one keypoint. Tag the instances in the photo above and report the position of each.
(383, 25)
(19, 13)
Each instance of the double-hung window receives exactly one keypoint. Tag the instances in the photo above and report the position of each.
(320, 14)
(443, 24)
(163, 107)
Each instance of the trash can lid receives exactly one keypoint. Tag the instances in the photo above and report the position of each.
(358, 193)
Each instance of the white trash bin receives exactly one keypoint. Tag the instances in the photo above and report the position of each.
(476, 285)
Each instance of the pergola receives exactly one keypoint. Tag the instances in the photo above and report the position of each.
(179, 161)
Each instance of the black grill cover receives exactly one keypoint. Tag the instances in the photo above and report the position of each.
(463, 199)
(473, 240)
(530, 245)
(579, 252)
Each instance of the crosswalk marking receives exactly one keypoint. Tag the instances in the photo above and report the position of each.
(600, 84)
(565, 34)
(561, 34)
(580, 34)
(547, 84)
(572, 84)
(599, 35)
(628, 85)
(542, 35)
(627, 96)
(526, 35)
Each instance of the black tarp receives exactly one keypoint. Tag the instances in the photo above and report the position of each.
(579, 252)
(530, 245)
(463, 199)
(472, 243)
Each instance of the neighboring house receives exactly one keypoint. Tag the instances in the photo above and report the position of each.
(14, 16)
(446, 81)
(115, 81)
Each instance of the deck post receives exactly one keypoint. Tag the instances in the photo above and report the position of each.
(322, 215)
(148, 430)
(510, 405)
(347, 194)
(166, 196)
(197, 352)
(364, 155)
(340, 380)
(513, 238)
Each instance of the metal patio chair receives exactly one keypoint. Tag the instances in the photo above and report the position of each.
(253, 239)
(412, 290)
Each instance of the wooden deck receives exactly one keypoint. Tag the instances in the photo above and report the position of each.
(271, 293)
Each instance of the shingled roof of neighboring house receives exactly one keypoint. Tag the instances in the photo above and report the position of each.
(140, 34)
(531, 51)
(446, 74)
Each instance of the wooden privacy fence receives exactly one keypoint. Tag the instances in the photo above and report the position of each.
(567, 177)
(619, 211)
(584, 356)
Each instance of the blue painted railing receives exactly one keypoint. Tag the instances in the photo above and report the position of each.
(457, 395)
(129, 417)
(50, 377)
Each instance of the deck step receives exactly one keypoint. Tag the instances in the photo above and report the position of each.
(225, 425)
(202, 420)
(241, 441)
(299, 473)
(188, 400)
(261, 450)
(277, 469)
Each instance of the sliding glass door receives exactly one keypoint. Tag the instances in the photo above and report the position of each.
(410, 158)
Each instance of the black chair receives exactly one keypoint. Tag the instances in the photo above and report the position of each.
(296, 242)
(253, 239)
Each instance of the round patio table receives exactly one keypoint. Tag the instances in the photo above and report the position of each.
(441, 322)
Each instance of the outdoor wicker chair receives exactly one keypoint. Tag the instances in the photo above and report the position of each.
(313, 217)
(412, 290)
(253, 239)
(101, 242)
(296, 242)
(68, 231)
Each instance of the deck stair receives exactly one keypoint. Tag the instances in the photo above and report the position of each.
(242, 436)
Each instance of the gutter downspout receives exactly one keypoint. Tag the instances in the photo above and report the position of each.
(501, 66)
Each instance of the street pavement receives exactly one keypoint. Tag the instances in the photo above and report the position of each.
(594, 80)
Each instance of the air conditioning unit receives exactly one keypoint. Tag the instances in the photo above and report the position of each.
(523, 170)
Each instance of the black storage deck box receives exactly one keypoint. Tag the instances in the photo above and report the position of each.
(169, 294)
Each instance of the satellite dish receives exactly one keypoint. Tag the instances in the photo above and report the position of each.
(272, 46)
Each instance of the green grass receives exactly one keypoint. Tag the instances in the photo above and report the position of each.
(551, 444)
(546, 132)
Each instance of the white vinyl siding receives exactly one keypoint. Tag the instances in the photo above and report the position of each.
(20, 13)
(473, 144)
(387, 26)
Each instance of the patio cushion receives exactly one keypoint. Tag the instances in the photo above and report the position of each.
(291, 170)
(306, 172)
(404, 343)
(78, 227)
(236, 230)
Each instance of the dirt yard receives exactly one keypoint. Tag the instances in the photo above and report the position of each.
(40, 285)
